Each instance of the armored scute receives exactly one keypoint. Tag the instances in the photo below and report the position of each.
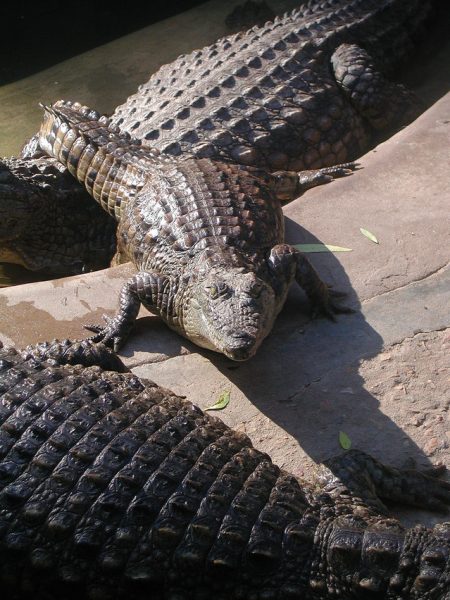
(113, 488)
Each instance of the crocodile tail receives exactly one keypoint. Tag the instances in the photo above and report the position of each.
(107, 162)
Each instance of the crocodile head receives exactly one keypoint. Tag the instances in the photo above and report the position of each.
(231, 311)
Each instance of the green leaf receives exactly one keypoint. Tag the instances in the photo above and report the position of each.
(221, 403)
(320, 248)
(369, 235)
(345, 441)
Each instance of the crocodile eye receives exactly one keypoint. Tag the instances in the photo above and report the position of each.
(220, 289)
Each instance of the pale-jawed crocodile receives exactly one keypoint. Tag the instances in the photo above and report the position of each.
(113, 488)
(300, 93)
(206, 236)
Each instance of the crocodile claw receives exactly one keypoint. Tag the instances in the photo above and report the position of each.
(93, 328)
(110, 335)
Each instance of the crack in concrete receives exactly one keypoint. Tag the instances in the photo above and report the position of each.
(416, 333)
(151, 360)
(298, 392)
(410, 283)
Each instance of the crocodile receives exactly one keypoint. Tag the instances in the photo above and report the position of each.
(301, 92)
(206, 236)
(48, 223)
(114, 488)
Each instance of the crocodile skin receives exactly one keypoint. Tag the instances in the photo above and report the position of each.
(285, 95)
(113, 488)
(206, 236)
(48, 223)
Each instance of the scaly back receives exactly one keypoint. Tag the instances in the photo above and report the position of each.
(247, 97)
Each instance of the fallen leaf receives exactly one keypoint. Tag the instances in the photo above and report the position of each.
(320, 248)
(369, 235)
(221, 403)
(345, 441)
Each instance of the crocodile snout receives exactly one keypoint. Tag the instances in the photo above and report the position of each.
(242, 346)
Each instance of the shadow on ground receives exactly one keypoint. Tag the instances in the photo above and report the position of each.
(305, 377)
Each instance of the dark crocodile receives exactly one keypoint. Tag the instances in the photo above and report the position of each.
(206, 236)
(298, 93)
(48, 223)
(294, 94)
(113, 488)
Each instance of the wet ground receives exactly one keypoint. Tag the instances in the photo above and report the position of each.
(382, 374)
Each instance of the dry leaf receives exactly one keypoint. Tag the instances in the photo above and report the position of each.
(369, 235)
(320, 248)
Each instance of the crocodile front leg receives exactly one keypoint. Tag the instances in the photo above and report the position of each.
(288, 185)
(153, 290)
(288, 263)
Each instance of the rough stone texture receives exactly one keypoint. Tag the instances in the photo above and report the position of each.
(400, 197)
(372, 374)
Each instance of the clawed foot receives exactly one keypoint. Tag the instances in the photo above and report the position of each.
(342, 170)
(309, 179)
(112, 335)
(288, 185)
(329, 305)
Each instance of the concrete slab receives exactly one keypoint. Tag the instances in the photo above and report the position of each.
(401, 195)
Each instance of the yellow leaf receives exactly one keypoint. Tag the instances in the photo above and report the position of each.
(221, 403)
(369, 235)
(320, 248)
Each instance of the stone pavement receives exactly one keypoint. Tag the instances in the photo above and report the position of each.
(381, 375)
